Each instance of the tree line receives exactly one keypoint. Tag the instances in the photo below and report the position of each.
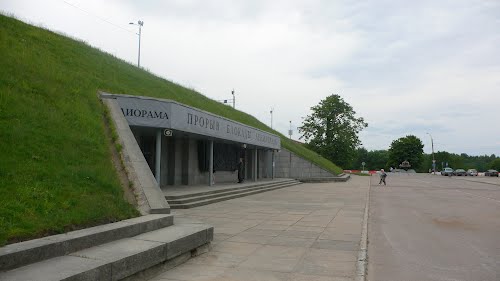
(378, 159)
(332, 131)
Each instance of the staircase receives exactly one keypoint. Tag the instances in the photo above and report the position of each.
(108, 252)
(196, 199)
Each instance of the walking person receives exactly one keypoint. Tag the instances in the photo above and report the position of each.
(383, 175)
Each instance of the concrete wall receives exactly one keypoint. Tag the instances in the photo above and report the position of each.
(289, 165)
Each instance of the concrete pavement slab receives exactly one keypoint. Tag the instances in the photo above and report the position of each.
(243, 274)
(291, 241)
(240, 249)
(304, 277)
(274, 258)
(307, 232)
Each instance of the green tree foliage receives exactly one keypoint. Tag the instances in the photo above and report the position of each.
(462, 161)
(374, 159)
(332, 130)
(495, 164)
(409, 148)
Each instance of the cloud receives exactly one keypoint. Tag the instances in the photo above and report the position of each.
(406, 67)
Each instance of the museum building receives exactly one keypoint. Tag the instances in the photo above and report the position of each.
(183, 145)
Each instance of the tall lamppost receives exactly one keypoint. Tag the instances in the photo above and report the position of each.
(140, 23)
(433, 160)
(234, 101)
(271, 111)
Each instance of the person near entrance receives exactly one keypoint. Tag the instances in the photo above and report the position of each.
(239, 167)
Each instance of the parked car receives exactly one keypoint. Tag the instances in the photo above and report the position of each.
(447, 172)
(491, 173)
(460, 172)
(471, 172)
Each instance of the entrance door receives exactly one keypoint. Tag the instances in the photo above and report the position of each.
(148, 147)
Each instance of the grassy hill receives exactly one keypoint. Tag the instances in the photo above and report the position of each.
(55, 166)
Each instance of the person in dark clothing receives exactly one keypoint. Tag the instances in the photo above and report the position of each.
(239, 167)
(383, 175)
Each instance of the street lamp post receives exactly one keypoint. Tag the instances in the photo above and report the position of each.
(433, 160)
(140, 23)
(272, 109)
(234, 101)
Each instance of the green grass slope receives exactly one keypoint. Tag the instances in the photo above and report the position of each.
(55, 165)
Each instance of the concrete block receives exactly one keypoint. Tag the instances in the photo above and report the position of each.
(127, 256)
(23, 253)
(20, 254)
(179, 238)
(61, 268)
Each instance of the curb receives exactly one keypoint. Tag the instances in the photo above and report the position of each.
(361, 268)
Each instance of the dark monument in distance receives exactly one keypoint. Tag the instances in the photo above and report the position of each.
(405, 165)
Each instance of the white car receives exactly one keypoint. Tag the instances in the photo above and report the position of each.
(471, 172)
(447, 172)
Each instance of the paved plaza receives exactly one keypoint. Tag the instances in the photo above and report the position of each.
(435, 228)
(305, 232)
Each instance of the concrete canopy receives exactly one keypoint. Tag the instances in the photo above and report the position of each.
(168, 114)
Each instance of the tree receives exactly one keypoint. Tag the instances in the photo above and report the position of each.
(495, 164)
(332, 130)
(409, 148)
(374, 159)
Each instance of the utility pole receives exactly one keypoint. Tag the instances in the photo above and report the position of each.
(140, 23)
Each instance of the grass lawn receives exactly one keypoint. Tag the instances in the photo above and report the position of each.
(55, 166)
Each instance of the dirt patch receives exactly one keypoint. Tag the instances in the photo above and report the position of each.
(452, 223)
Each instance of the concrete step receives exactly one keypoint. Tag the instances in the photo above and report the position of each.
(118, 259)
(197, 197)
(24, 253)
(339, 178)
(214, 191)
(228, 197)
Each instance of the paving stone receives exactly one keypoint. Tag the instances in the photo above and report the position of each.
(300, 234)
(316, 229)
(304, 277)
(220, 237)
(242, 274)
(291, 241)
(281, 222)
(314, 218)
(218, 259)
(336, 245)
(237, 248)
(322, 267)
(271, 226)
(340, 236)
(312, 223)
(251, 238)
(274, 258)
(193, 272)
(266, 232)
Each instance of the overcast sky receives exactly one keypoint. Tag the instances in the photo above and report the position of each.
(407, 67)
